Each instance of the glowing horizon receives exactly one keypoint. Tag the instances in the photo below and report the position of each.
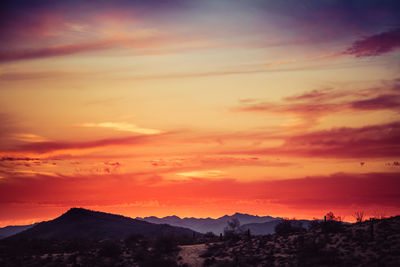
(199, 109)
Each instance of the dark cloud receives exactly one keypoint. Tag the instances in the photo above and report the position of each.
(310, 106)
(42, 147)
(376, 45)
(379, 102)
(308, 109)
(114, 164)
(366, 142)
(18, 159)
(377, 141)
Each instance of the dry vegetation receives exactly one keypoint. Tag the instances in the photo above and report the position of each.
(330, 243)
(132, 251)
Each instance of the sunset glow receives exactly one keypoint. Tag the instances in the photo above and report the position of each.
(199, 108)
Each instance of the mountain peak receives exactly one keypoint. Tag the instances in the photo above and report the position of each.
(238, 214)
(77, 210)
(174, 217)
(73, 212)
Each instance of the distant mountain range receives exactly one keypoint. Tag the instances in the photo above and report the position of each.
(269, 227)
(82, 223)
(204, 225)
(14, 229)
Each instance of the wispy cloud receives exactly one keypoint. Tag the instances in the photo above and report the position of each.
(380, 102)
(18, 159)
(304, 59)
(53, 51)
(75, 48)
(376, 45)
(377, 141)
(311, 106)
(28, 137)
(42, 147)
(124, 126)
(203, 174)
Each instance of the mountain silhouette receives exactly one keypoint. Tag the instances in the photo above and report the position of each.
(269, 227)
(83, 223)
(204, 225)
(13, 229)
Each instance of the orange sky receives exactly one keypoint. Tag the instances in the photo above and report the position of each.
(199, 108)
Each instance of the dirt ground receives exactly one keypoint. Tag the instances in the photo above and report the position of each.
(191, 255)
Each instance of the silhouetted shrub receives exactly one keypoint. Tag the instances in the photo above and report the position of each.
(165, 244)
(210, 235)
(77, 244)
(110, 249)
(139, 254)
(209, 262)
(288, 227)
(331, 227)
(315, 254)
(359, 216)
(315, 225)
(186, 239)
(331, 224)
(231, 236)
(133, 240)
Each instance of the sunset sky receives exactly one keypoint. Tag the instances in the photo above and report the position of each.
(199, 108)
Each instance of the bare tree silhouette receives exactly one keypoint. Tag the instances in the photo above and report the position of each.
(233, 226)
(359, 216)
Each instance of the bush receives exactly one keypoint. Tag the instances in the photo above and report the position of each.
(110, 249)
(288, 227)
(210, 235)
(331, 224)
(80, 245)
(332, 227)
(133, 240)
(166, 245)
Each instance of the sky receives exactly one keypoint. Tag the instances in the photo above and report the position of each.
(199, 108)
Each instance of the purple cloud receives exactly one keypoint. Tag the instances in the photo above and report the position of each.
(376, 45)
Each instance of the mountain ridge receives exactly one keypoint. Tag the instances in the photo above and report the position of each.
(83, 223)
(204, 225)
(257, 225)
(10, 230)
